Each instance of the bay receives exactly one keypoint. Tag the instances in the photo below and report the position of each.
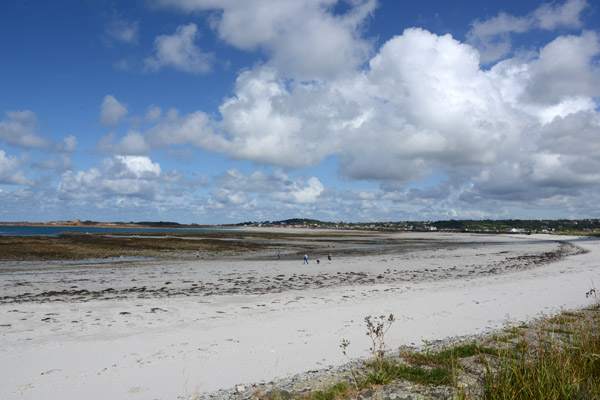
(28, 230)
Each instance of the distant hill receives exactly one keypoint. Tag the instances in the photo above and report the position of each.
(493, 226)
(488, 225)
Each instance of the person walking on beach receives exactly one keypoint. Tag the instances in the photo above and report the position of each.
(306, 259)
(329, 258)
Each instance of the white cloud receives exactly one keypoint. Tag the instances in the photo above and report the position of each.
(8, 171)
(492, 37)
(140, 166)
(565, 68)
(19, 129)
(111, 111)
(551, 15)
(69, 144)
(421, 107)
(573, 134)
(194, 128)
(231, 197)
(276, 185)
(261, 125)
(180, 52)
(172, 129)
(153, 114)
(135, 176)
(58, 162)
(423, 100)
(133, 143)
(303, 39)
(300, 193)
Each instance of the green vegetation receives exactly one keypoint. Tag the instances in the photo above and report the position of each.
(556, 358)
(448, 357)
(341, 390)
(559, 364)
(585, 226)
(580, 226)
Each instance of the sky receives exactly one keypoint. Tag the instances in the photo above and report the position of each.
(226, 111)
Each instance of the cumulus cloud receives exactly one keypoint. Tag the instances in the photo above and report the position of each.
(551, 15)
(69, 144)
(139, 166)
(133, 143)
(565, 68)
(261, 125)
(19, 129)
(170, 130)
(303, 39)
(8, 171)
(180, 51)
(153, 114)
(272, 186)
(57, 162)
(421, 107)
(230, 197)
(111, 111)
(424, 101)
(302, 193)
(492, 37)
(135, 176)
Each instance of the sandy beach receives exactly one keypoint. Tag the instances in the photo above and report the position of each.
(184, 328)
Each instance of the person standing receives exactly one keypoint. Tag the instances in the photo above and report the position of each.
(306, 259)
(329, 258)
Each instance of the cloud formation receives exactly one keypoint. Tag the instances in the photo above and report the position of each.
(8, 171)
(421, 106)
(179, 51)
(492, 37)
(19, 129)
(135, 176)
(303, 39)
(111, 111)
(325, 122)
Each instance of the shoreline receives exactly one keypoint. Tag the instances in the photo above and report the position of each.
(256, 320)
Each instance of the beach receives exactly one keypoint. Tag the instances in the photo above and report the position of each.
(187, 327)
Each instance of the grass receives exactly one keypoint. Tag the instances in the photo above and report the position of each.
(556, 358)
(391, 371)
(340, 390)
(555, 365)
(449, 357)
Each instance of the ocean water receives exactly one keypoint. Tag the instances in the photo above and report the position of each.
(18, 230)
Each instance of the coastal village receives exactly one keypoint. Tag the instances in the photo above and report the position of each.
(476, 226)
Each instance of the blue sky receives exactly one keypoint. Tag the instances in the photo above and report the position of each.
(206, 111)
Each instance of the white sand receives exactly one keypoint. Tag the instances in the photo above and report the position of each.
(168, 347)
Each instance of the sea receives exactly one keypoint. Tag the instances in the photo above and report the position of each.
(26, 230)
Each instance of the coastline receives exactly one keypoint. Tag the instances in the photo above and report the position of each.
(156, 335)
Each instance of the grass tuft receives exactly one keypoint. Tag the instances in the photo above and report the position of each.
(556, 359)
(555, 366)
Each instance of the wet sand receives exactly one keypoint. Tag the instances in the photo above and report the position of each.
(180, 328)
